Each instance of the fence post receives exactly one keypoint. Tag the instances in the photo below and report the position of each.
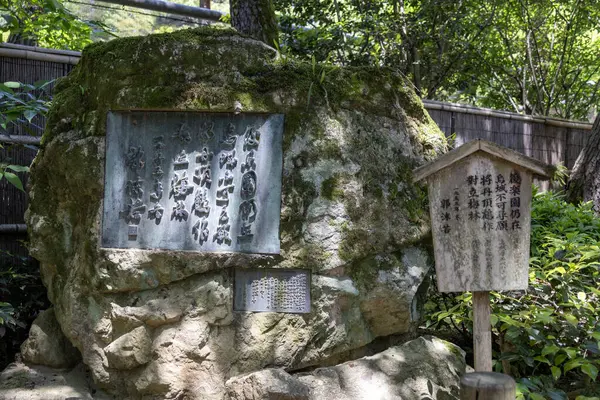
(566, 158)
(482, 331)
(487, 386)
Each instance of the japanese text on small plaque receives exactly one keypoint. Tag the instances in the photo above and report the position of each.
(277, 290)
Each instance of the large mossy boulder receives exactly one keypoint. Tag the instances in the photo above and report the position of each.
(160, 324)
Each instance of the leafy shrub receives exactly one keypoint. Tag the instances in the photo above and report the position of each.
(547, 337)
(22, 296)
(46, 23)
(20, 105)
(20, 102)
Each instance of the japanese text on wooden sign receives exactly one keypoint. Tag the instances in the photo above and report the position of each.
(480, 210)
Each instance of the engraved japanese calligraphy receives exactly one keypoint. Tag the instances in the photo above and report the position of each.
(193, 181)
(278, 290)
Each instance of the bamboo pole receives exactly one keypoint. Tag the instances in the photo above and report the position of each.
(13, 228)
(171, 8)
(37, 56)
(20, 139)
(37, 49)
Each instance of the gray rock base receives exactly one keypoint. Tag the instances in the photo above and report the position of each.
(22, 382)
(425, 368)
(47, 345)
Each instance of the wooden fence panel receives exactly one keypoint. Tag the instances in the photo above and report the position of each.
(443, 120)
(576, 139)
(546, 139)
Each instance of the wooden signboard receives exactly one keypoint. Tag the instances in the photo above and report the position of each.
(480, 218)
(480, 207)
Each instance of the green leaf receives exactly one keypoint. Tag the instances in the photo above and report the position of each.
(53, 5)
(309, 94)
(536, 396)
(30, 114)
(559, 359)
(542, 359)
(572, 364)
(14, 180)
(5, 89)
(590, 370)
(522, 388)
(571, 352)
(552, 349)
(493, 320)
(555, 372)
(12, 85)
(571, 319)
(41, 83)
(18, 168)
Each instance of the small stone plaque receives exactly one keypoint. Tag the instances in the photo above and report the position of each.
(132, 230)
(180, 180)
(276, 290)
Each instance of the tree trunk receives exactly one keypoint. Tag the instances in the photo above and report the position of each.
(255, 18)
(584, 182)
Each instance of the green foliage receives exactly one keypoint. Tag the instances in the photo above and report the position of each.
(46, 23)
(530, 57)
(548, 336)
(7, 171)
(22, 295)
(20, 104)
(561, 175)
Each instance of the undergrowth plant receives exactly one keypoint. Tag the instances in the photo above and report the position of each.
(22, 294)
(547, 337)
(20, 105)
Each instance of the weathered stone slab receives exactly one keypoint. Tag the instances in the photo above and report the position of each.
(272, 290)
(193, 181)
(481, 221)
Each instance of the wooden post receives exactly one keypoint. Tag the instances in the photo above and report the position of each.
(482, 332)
(487, 386)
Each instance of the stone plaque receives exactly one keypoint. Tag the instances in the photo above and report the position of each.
(193, 181)
(480, 207)
(277, 290)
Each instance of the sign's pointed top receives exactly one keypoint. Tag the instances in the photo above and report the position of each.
(542, 170)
